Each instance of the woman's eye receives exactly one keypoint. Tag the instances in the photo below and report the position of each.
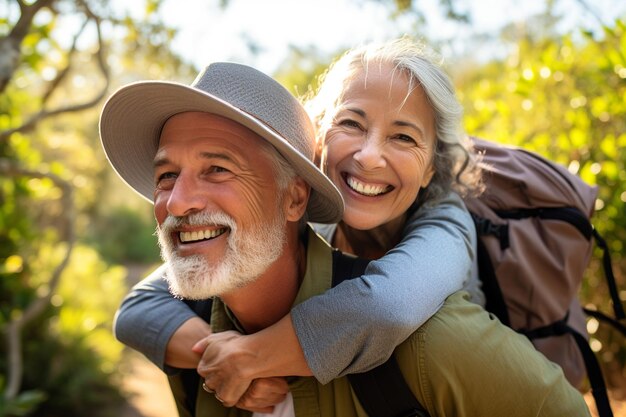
(406, 138)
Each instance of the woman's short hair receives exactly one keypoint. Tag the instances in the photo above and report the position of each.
(455, 163)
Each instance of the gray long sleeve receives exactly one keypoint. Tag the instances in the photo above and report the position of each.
(357, 325)
(354, 326)
(148, 317)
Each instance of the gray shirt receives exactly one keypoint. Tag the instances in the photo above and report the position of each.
(356, 325)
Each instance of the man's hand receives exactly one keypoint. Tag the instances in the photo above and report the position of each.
(228, 366)
(263, 394)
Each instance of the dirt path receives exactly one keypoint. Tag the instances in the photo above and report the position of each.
(150, 394)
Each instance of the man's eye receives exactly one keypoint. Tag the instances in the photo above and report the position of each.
(350, 123)
(165, 178)
(218, 169)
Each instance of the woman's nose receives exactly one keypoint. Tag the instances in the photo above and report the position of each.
(370, 155)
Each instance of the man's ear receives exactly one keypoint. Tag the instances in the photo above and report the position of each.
(319, 145)
(296, 199)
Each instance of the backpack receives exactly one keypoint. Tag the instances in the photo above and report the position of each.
(535, 241)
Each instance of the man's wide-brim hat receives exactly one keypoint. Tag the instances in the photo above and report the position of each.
(133, 117)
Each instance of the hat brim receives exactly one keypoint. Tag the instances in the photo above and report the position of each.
(131, 124)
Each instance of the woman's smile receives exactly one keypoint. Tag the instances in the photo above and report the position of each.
(365, 188)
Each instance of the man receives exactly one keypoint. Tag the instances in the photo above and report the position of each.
(227, 163)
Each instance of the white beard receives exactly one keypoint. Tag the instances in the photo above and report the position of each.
(248, 255)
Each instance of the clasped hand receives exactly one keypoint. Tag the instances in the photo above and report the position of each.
(230, 369)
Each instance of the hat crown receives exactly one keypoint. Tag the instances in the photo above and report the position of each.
(261, 97)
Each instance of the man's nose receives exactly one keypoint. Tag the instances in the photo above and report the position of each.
(370, 155)
(187, 196)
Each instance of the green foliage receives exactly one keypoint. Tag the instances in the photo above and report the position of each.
(125, 235)
(310, 63)
(23, 405)
(69, 353)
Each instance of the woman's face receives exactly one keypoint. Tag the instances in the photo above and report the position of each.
(379, 148)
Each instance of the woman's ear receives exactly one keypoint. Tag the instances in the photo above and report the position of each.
(428, 175)
(296, 199)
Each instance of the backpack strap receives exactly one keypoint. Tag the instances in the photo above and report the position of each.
(571, 215)
(346, 266)
(598, 388)
(606, 319)
(608, 273)
(594, 372)
(382, 391)
(493, 293)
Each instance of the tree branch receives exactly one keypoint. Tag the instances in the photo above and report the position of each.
(54, 84)
(44, 113)
(34, 309)
(10, 45)
(592, 12)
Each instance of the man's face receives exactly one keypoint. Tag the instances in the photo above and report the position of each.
(217, 205)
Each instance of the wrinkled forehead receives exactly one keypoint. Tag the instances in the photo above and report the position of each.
(365, 73)
(382, 78)
(205, 130)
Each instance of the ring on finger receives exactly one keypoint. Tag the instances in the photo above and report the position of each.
(207, 389)
(217, 397)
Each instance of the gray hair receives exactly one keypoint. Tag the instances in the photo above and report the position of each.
(284, 173)
(455, 162)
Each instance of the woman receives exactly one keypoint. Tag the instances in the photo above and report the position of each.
(390, 139)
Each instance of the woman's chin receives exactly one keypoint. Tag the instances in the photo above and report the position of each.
(362, 220)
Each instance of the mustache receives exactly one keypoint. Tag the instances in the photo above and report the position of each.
(214, 218)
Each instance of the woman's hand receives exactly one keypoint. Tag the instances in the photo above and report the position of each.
(228, 366)
(179, 353)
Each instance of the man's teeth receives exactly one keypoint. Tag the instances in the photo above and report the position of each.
(369, 190)
(200, 235)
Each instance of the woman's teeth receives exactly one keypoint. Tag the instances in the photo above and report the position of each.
(366, 189)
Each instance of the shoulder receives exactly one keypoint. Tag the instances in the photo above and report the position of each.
(447, 213)
(450, 206)
(462, 342)
(458, 321)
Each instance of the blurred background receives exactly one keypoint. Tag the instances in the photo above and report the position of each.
(549, 75)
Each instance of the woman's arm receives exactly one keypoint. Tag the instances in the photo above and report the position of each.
(150, 316)
(357, 325)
